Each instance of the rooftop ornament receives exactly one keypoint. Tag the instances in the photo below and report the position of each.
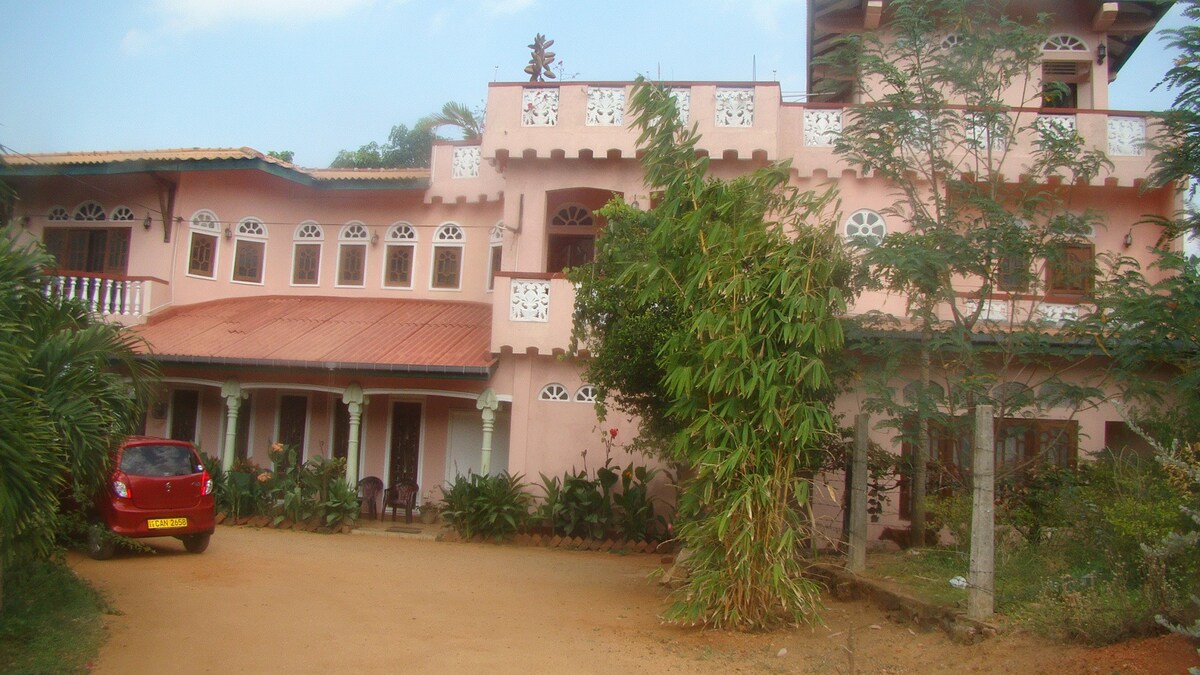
(541, 60)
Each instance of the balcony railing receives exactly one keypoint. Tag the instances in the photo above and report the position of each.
(108, 296)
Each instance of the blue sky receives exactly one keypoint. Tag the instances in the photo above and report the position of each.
(317, 76)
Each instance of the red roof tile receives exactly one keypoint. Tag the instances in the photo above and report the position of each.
(378, 334)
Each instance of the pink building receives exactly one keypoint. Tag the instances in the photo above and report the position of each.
(395, 317)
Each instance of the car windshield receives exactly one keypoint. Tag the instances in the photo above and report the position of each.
(158, 460)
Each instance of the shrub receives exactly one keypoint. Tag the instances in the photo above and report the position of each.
(953, 512)
(491, 506)
(578, 506)
(296, 492)
(635, 519)
(1033, 501)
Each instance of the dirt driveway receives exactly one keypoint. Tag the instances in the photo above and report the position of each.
(266, 601)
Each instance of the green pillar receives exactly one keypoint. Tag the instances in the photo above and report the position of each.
(232, 392)
(487, 405)
(354, 400)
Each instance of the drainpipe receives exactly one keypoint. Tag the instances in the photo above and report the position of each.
(487, 405)
(231, 391)
(354, 400)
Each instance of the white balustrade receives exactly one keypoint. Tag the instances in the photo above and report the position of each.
(103, 296)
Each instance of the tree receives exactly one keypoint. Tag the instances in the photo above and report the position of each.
(403, 149)
(1149, 320)
(456, 115)
(753, 292)
(70, 388)
(937, 126)
(282, 155)
(1178, 142)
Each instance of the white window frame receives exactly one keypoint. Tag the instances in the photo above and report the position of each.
(495, 241)
(447, 236)
(555, 393)
(354, 233)
(399, 234)
(246, 231)
(206, 223)
(307, 233)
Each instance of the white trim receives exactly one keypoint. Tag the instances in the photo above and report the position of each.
(89, 202)
(192, 232)
(320, 254)
(376, 391)
(443, 238)
(412, 272)
(337, 277)
(241, 233)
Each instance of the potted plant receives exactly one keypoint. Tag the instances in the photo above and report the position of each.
(430, 509)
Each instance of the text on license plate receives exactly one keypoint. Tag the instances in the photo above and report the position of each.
(163, 523)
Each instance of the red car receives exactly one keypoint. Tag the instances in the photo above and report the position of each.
(158, 488)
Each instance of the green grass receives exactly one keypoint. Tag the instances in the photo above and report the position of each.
(1021, 574)
(51, 621)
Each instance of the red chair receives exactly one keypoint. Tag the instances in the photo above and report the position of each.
(401, 495)
(370, 488)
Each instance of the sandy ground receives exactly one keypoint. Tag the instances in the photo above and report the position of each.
(266, 601)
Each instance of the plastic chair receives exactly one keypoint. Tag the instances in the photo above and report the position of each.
(401, 495)
(370, 488)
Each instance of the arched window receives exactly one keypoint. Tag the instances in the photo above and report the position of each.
(205, 230)
(866, 226)
(1012, 395)
(572, 237)
(249, 251)
(1064, 42)
(912, 392)
(123, 213)
(554, 392)
(585, 394)
(496, 246)
(1066, 73)
(352, 254)
(87, 246)
(90, 211)
(306, 253)
(446, 273)
(399, 252)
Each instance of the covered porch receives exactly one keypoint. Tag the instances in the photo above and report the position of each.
(400, 389)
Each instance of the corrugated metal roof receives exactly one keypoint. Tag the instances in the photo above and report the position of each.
(203, 154)
(378, 334)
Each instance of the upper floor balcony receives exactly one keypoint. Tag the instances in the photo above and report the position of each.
(751, 121)
(117, 298)
(738, 120)
(532, 313)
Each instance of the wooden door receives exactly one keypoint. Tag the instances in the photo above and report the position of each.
(405, 443)
(185, 406)
(293, 422)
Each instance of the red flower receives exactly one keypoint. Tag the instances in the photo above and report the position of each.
(612, 433)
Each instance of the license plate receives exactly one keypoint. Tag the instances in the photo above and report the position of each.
(166, 523)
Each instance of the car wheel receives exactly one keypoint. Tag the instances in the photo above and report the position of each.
(195, 543)
(100, 544)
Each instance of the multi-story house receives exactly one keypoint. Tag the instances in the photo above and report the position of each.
(408, 319)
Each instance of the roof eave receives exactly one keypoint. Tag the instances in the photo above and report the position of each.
(240, 164)
(325, 367)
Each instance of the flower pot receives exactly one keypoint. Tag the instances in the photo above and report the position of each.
(428, 517)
